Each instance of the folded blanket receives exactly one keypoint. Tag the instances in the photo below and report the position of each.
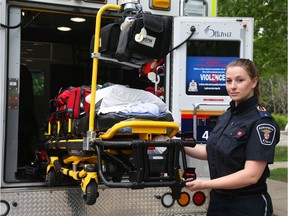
(125, 100)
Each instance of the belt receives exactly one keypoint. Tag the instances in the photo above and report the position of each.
(241, 193)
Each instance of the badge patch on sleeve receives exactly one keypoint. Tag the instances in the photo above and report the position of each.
(266, 133)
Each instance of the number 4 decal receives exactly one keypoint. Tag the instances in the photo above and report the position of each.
(205, 135)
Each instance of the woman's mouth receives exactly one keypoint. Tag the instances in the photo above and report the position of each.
(233, 93)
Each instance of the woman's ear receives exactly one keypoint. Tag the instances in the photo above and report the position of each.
(255, 81)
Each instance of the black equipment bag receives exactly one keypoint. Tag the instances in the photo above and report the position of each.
(109, 36)
(155, 41)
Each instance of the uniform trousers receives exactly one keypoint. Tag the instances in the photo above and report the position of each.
(250, 205)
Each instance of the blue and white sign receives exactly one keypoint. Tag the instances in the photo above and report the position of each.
(206, 75)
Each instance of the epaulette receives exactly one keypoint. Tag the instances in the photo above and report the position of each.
(262, 111)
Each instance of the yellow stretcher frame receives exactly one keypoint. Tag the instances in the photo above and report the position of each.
(95, 61)
(144, 128)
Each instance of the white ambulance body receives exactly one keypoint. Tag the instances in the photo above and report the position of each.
(193, 83)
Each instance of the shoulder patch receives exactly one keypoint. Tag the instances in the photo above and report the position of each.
(266, 133)
(262, 111)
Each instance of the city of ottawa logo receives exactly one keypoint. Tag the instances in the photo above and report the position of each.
(215, 33)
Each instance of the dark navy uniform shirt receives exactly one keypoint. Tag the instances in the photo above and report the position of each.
(244, 132)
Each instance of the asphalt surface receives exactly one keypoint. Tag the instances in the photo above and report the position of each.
(278, 190)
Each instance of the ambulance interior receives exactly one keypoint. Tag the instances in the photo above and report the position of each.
(52, 60)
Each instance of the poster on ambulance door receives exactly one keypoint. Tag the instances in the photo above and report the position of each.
(206, 75)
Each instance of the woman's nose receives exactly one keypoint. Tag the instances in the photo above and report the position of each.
(233, 85)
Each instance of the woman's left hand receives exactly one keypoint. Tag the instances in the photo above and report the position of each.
(195, 185)
(242, 178)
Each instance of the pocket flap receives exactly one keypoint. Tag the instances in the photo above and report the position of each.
(236, 133)
(154, 23)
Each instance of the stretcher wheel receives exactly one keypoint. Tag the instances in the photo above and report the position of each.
(91, 194)
(51, 177)
(54, 178)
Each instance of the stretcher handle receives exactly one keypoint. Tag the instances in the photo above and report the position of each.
(95, 61)
(134, 185)
(143, 126)
(144, 143)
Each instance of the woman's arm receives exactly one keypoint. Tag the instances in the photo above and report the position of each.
(198, 152)
(248, 176)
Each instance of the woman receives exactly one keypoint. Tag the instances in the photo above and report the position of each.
(239, 149)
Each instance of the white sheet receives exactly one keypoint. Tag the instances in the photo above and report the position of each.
(119, 98)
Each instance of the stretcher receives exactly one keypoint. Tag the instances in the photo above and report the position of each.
(133, 153)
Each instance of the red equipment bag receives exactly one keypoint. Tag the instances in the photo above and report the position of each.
(152, 66)
(72, 100)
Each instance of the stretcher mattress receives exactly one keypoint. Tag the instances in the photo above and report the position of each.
(118, 103)
(104, 121)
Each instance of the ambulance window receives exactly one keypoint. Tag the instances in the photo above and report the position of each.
(213, 48)
(205, 69)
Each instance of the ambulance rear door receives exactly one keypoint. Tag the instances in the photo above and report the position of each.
(198, 94)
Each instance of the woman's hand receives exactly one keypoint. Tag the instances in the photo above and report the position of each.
(194, 185)
(243, 178)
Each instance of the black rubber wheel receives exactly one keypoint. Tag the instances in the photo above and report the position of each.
(91, 194)
(59, 178)
(51, 177)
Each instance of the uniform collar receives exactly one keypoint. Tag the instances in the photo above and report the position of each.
(243, 106)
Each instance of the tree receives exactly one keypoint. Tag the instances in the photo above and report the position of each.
(270, 45)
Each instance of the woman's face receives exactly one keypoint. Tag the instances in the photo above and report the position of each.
(239, 84)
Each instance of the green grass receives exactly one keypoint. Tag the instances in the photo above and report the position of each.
(280, 154)
(279, 174)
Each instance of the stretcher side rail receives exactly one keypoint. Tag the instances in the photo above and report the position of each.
(73, 144)
(144, 128)
(144, 143)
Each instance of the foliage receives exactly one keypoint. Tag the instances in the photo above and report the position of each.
(270, 45)
(281, 120)
(279, 174)
(38, 83)
(274, 93)
(280, 154)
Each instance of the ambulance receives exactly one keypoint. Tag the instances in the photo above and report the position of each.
(46, 47)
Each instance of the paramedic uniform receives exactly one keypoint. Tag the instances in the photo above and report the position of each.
(244, 132)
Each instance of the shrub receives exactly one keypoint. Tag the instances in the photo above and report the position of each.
(280, 153)
(281, 120)
(279, 174)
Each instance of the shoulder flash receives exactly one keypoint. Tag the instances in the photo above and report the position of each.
(262, 111)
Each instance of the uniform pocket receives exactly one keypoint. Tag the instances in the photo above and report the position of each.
(214, 134)
(234, 138)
